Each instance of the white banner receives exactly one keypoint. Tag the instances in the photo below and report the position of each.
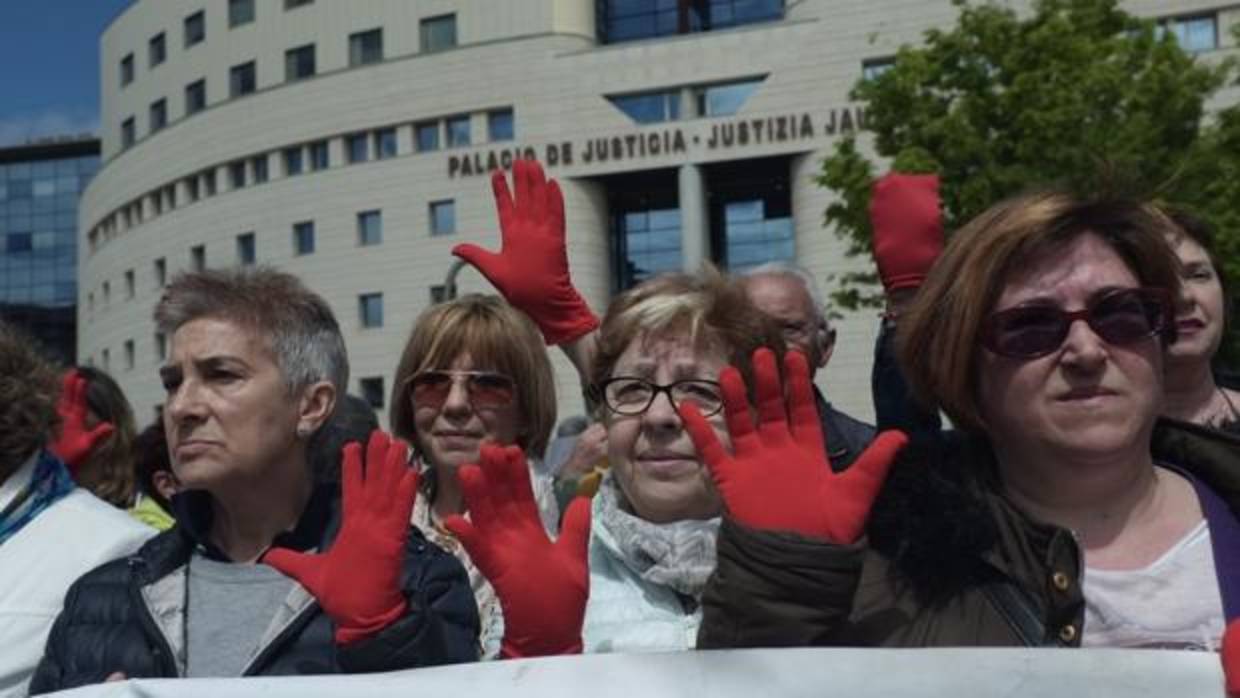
(812, 673)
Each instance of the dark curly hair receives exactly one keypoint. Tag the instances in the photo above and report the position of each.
(29, 388)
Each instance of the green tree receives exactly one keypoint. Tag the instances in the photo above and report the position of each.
(1078, 94)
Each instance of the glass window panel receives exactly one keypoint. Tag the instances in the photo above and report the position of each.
(241, 79)
(195, 28)
(385, 143)
(427, 136)
(195, 96)
(500, 125)
(156, 50)
(258, 166)
(43, 187)
(299, 63)
(303, 238)
(240, 12)
(726, 100)
(366, 47)
(458, 131)
(443, 217)
(319, 159)
(369, 228)
(292, 161)
(370, 308)
(438, 33)
(357, 147)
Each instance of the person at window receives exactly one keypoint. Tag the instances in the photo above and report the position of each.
(473, 370)
(269, 569)
(51, 530)
(1067, 515)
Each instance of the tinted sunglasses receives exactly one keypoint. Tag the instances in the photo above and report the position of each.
(485, 389)
(1120, 317)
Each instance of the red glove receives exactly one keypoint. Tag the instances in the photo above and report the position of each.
(1230, 654)
(778, 477)
(357, 581)
(531, 268)
(76, 442)
(907, 228)
(542, 586)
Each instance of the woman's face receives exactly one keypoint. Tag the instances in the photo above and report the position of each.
(1199, 309)
(1087, 398)
(655, 462)
(457, 408)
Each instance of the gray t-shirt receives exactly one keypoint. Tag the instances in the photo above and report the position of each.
(230, 606)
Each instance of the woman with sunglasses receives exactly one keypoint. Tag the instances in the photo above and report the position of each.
(473, 370)
(1060, 515)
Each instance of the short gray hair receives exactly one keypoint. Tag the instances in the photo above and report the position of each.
(788, 270)
(297, 325)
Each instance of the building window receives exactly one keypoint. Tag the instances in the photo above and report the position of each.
(370, 309)
(208, 182)
(236, 174)
(427, 135)
(241, 79)
(871, 68)
(128, 354)
(127, 132)
(644, 210)
(159, 115)
(292, 161)
(750, 213)
(499, 125)
(127, 69)
(129, 290)
(240, 12)
(198, 257)
(438, 33)
(1195, 34)
(195, 28)
(156, 50)
(357, 147)
(258, 167)
(246, 253)
(291, 4)
(161, 346)
(443, 217)
(319, 159)
(369, 228)
(439, 294)
(191, 187)
(170, 196)
(372, 391)
(299, 63)
(107, 293)
(106, 359)
(385, 143)
(303, 238)
(195, 96)
(649, 107)
(160, 272)
(626, 20)
(724, 99)
(458, 131)
(366, 47)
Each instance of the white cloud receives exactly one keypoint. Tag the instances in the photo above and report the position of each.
(19, 129)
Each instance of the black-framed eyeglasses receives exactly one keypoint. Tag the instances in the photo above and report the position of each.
(486, 389)
(1120, 317)
(629, 396)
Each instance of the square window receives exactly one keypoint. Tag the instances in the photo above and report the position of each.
(299, 63)
(385, 143)
(129, 290)
(427, 136)
(438, 33)
(195, 96)
(161, 272)
(369, 228)
(127, 69)
(127, 132)
(303, 238)
(159, 115)
(370, 309)
(365, 47)
(208, 183)
(357, 147)
(236, 174)
(499, 125)
(241, 79)
(258, 166)
(443, 217)
(240, 12)
(292, 161)
(195, 28)
(198, 257)
(19, 242)
(372, 391)
(246, 252)
(458, 131)
(156, 50)
(871, 68)
(318, 155)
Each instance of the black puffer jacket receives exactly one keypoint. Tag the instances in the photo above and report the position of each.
(128, 615)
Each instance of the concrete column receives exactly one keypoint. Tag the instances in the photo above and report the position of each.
(694, 218)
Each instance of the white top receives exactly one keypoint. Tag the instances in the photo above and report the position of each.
(71, 537)
(1173, 603)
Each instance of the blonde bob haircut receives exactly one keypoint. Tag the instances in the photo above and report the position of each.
(711, 310)
(496, 337)
(938, 340)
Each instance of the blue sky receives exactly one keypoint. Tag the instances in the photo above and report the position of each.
(49, 66)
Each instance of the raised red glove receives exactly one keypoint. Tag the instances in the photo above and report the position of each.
(531, 268)
(778, 477)
(907, 228)
(542, 586)
(357, 581)
(76, 442)
(1230, 655)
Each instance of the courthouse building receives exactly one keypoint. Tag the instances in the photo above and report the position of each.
(349, 143)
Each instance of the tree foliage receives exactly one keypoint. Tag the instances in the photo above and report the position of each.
(1077, 94)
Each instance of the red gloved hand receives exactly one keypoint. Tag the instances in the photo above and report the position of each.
(542, 586)
(76, 442)
(779, 477)
(907, 228)
(357, 581)
(531, 268)
(1230, 655)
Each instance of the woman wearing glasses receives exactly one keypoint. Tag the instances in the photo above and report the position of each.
(1063, 517)
(474, 370)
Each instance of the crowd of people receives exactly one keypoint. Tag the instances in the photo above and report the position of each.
(1086, 494)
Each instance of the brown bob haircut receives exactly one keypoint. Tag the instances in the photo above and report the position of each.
(496, 337)
(710, 309)
(938, 338)
(29, 388)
